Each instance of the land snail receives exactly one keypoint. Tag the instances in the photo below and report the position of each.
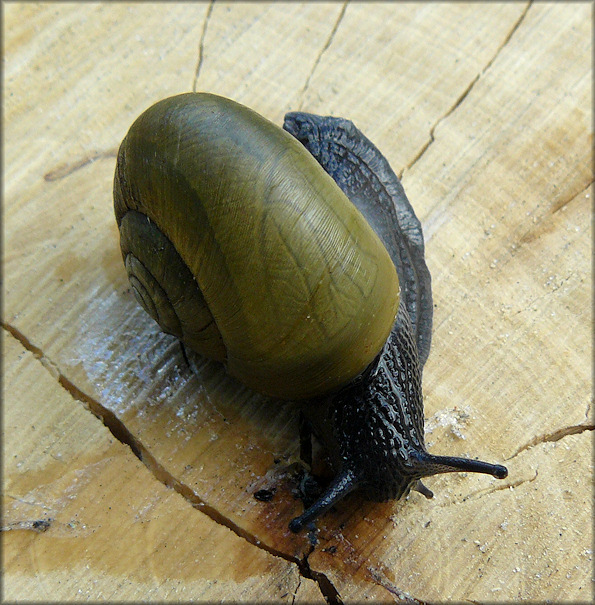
(292, 256)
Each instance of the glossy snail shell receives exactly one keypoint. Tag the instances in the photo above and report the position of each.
(238, 242)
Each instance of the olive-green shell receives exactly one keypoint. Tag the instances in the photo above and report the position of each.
(301, 293)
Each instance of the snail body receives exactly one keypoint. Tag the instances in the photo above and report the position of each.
(293, 257)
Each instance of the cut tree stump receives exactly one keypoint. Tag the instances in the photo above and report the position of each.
(130, 469)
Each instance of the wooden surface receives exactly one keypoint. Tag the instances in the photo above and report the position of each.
(485, 110)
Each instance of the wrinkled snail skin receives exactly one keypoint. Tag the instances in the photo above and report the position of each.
(293, 257)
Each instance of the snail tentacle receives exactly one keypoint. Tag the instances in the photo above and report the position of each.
(343, 484)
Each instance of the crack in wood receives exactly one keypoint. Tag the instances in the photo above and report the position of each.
(326, 46)
(297, 588)
(381, 580)
(508, 37)
(460, 99)
(498, 488)
(476, 495)
(563, 203)
(49, 365)
(541, 224)
(546, 438)
(119, 430)
(327, 588)
(201, 45)
(466, 92)
(554, 436)
(122, 434)
(63, 170)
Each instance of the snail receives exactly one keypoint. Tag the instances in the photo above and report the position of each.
(292, 256)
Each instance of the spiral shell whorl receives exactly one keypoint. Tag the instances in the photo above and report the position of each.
(165, 287)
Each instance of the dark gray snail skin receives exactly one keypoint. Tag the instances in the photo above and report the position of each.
(373, 429)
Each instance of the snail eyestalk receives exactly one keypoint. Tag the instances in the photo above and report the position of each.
(428, 464)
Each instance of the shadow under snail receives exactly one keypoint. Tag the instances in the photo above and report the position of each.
(293, 257)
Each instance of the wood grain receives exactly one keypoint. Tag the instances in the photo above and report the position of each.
(84, 519)
(485, 109)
